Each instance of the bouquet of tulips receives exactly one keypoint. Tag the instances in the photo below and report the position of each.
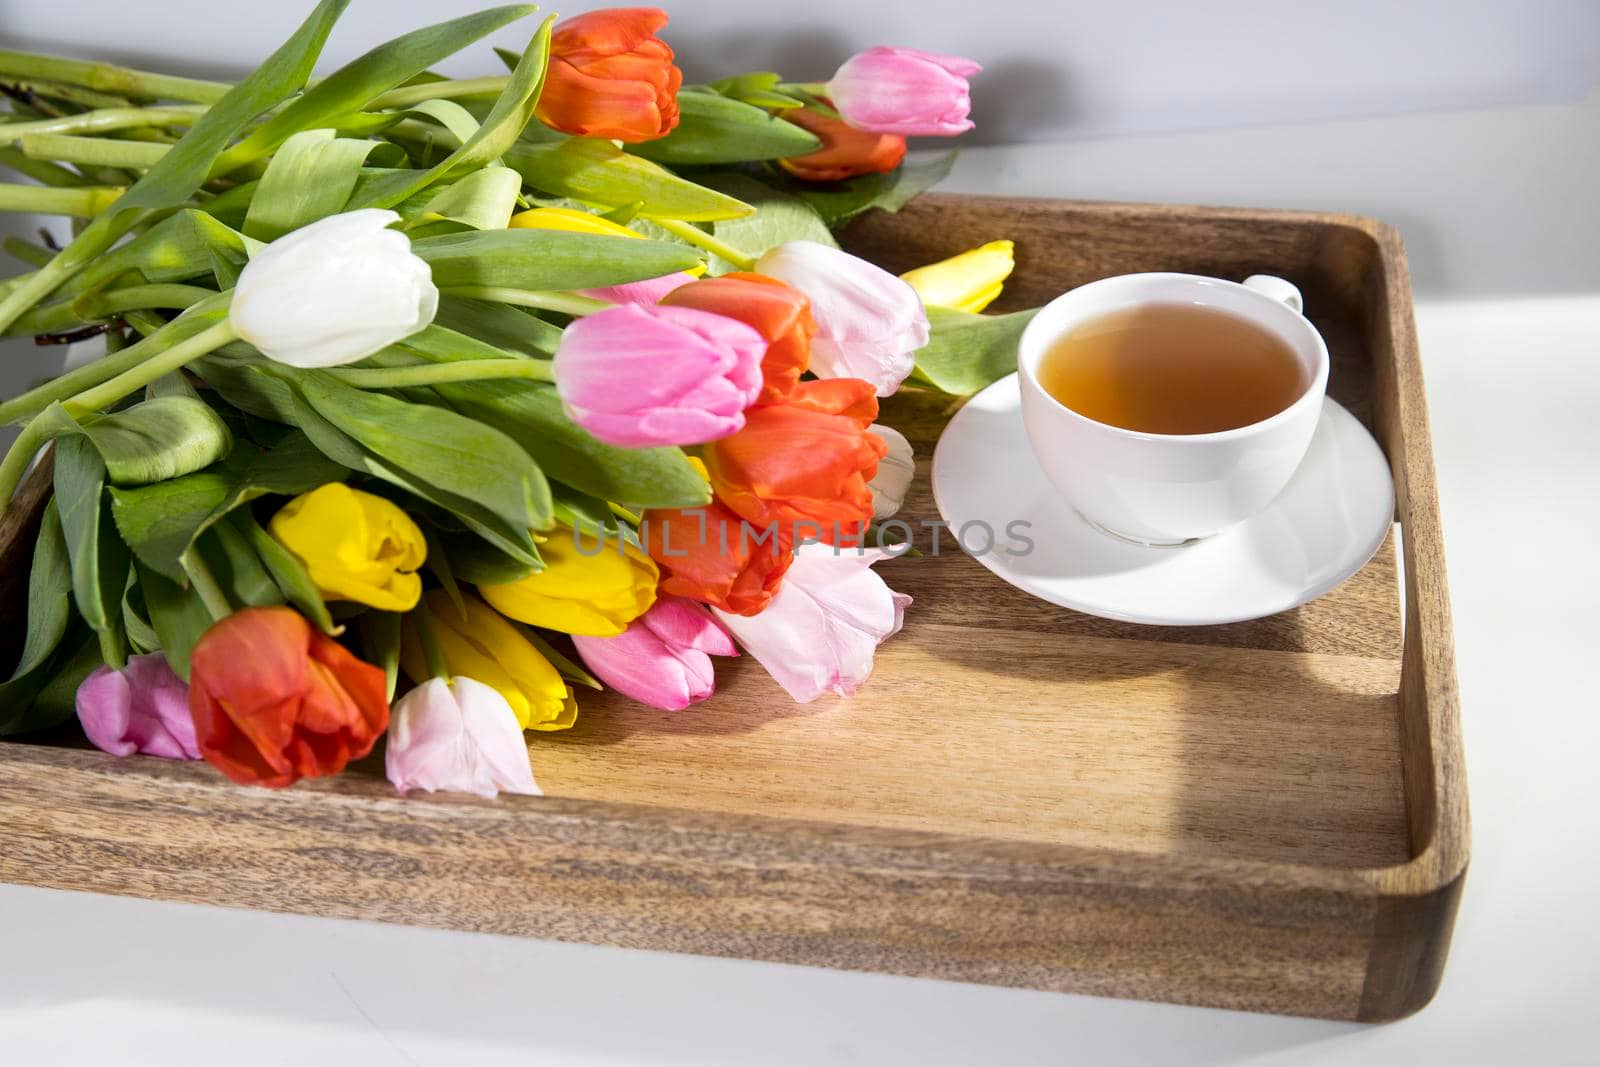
(425, 400)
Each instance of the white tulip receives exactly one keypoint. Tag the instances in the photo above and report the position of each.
(895, 471)
(459, 736)
(334, 292)
(869, 323)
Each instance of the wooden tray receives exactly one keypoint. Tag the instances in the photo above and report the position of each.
(1268, 816)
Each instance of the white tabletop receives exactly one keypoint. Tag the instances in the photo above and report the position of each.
(1499, 210)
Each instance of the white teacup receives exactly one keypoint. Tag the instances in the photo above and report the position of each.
(1166, 489)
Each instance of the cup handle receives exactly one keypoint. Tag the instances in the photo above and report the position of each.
(1278, 289)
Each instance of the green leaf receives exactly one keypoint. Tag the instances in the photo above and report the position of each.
(57, 701)
(182, 170)
(779, 217)
(713, 130)
(474, 560)
(49, 595)
(177, 248)
(568, 669)
(512, 110)
(157, 439)
(547, 259)
(310, 177)
(390, 64)
(233, 562)
(839, 202)
(438, 344)
(501, 325)
(966, 352)
(177, 614)
(135, 617)
(483, 200)
(99, 558)
(380, 644)
(598, 172)
(287, 572)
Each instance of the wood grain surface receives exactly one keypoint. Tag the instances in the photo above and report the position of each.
(1267, 815)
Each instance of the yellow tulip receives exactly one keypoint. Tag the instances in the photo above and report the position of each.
(594, 595)
(968, 282)
(573, 221)
(355, 546)
(483, 646)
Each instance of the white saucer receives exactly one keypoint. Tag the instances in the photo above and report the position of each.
(1322, 528)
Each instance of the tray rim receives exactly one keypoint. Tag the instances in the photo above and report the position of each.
(1424, 888)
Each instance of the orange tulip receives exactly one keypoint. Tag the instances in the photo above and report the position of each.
(274, 701)
(845, 152)
(611, 76)
(804, 461)
(707, 554)
(779, 312)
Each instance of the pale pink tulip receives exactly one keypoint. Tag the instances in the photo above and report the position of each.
(821, 630)
(458, 736)
(647, 292)
(639, 376)
(869, 323)
(142, 708)
(663, 658)
(904, 91)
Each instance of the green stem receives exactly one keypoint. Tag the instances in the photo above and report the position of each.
(103, 77)
(407, 95)
(137, 377)
(85, 203)
(566, 303)
(432, 654)
(206, 585)
(101, 234)
(701, 239)
(27, 251)
(72, 94)
(19, 457)
(97, 306)
(464, 370)
(92, 151)
(41, 170)
(116, 118)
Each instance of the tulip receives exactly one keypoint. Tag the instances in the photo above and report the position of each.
(895, 471)
(333, 292)
(274, 700)
(646, 292)
(820, 632)
(596, 590)
(355, 546)
(967, 282)
(642, 376)
(610, 76)
(459, 736)
(664, 658)
(142, 708)
(846, 151)
(803, 462)
(780, 313)
(479, 643)
(869, 323)
(904, 91)
(708, 554)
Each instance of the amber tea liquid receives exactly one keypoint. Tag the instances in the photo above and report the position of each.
(1173, 369)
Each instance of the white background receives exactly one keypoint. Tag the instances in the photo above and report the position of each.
(1499, 209)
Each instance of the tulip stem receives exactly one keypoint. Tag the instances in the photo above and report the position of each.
(142, 374)
(19, 458)
(92, 151)
(101, 233)
(206, 585)
(103, 77)
(701, 239)
(464, 370)
(92, 307)
(114, 118)
(565, 303)
(84, 202)
(431, 653)
(407, 95)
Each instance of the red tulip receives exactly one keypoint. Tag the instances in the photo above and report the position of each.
(274, 700)
(779, 312)
(846, 151)
(803, 462)
(707, 554)
(611, 76)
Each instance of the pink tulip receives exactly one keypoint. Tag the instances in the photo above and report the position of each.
(869, 323)
(640, 376)
(820, 632)
(904, 91)
(458, 736)
(647, 292)
(141, 708)
(663, 658)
